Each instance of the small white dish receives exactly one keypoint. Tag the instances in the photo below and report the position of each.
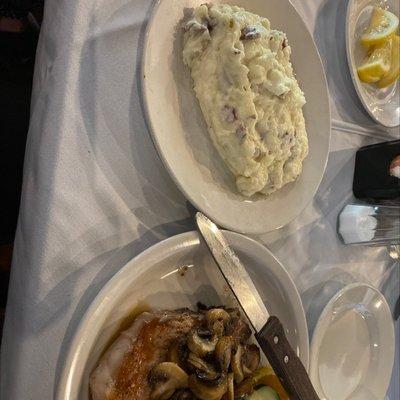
(353, 345)
(381, 104)
(179, 132)
(157, 280)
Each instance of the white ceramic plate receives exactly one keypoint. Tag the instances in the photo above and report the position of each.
(153, 278)
(180, 135)
(382, 104)
(353, 346)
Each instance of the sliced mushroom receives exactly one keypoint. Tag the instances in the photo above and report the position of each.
(216, 320)
(237, 365)
(178, 353)
(250, 359)
(237, 328)
(208, 375)
(231, 387)
(204, 371)
(165, 378)
(245, 388)
(208, 390)
(201, 342)
(223, 352)
(245, 361)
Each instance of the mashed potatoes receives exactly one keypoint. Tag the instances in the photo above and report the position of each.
(248, 94)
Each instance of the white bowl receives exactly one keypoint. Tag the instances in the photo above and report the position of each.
(352, 348)
(179, 132)
(153, 279)
(381, 104)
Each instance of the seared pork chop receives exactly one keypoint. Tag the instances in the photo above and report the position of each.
(122, 373)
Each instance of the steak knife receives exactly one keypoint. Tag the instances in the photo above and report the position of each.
(268, 329)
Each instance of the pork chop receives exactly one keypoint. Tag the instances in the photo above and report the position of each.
(123, 370)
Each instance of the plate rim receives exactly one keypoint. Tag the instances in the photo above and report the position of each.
(317, 334)
(64, 384)
(351, 66)
(146, 107)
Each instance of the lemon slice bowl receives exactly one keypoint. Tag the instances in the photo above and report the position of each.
(382, 104)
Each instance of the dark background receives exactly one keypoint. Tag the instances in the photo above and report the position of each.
(19, 30)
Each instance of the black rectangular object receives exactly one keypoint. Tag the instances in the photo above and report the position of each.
(372, 178)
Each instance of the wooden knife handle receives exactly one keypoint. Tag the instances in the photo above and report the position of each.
(284, 361)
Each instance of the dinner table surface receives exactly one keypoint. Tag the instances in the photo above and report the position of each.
(95, 193)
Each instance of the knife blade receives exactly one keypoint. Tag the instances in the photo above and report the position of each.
(234, 273)
(268, 329)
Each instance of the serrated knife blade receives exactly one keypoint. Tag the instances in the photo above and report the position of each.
(234, 273)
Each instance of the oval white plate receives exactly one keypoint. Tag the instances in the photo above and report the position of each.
(153, 278)
(181, 137)
(352, 349)
(382, 104)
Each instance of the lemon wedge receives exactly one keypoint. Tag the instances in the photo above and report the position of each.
(377, 63)
(383, 24)
(394, 71)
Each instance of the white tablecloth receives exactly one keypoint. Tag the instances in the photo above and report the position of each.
(95, 193)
